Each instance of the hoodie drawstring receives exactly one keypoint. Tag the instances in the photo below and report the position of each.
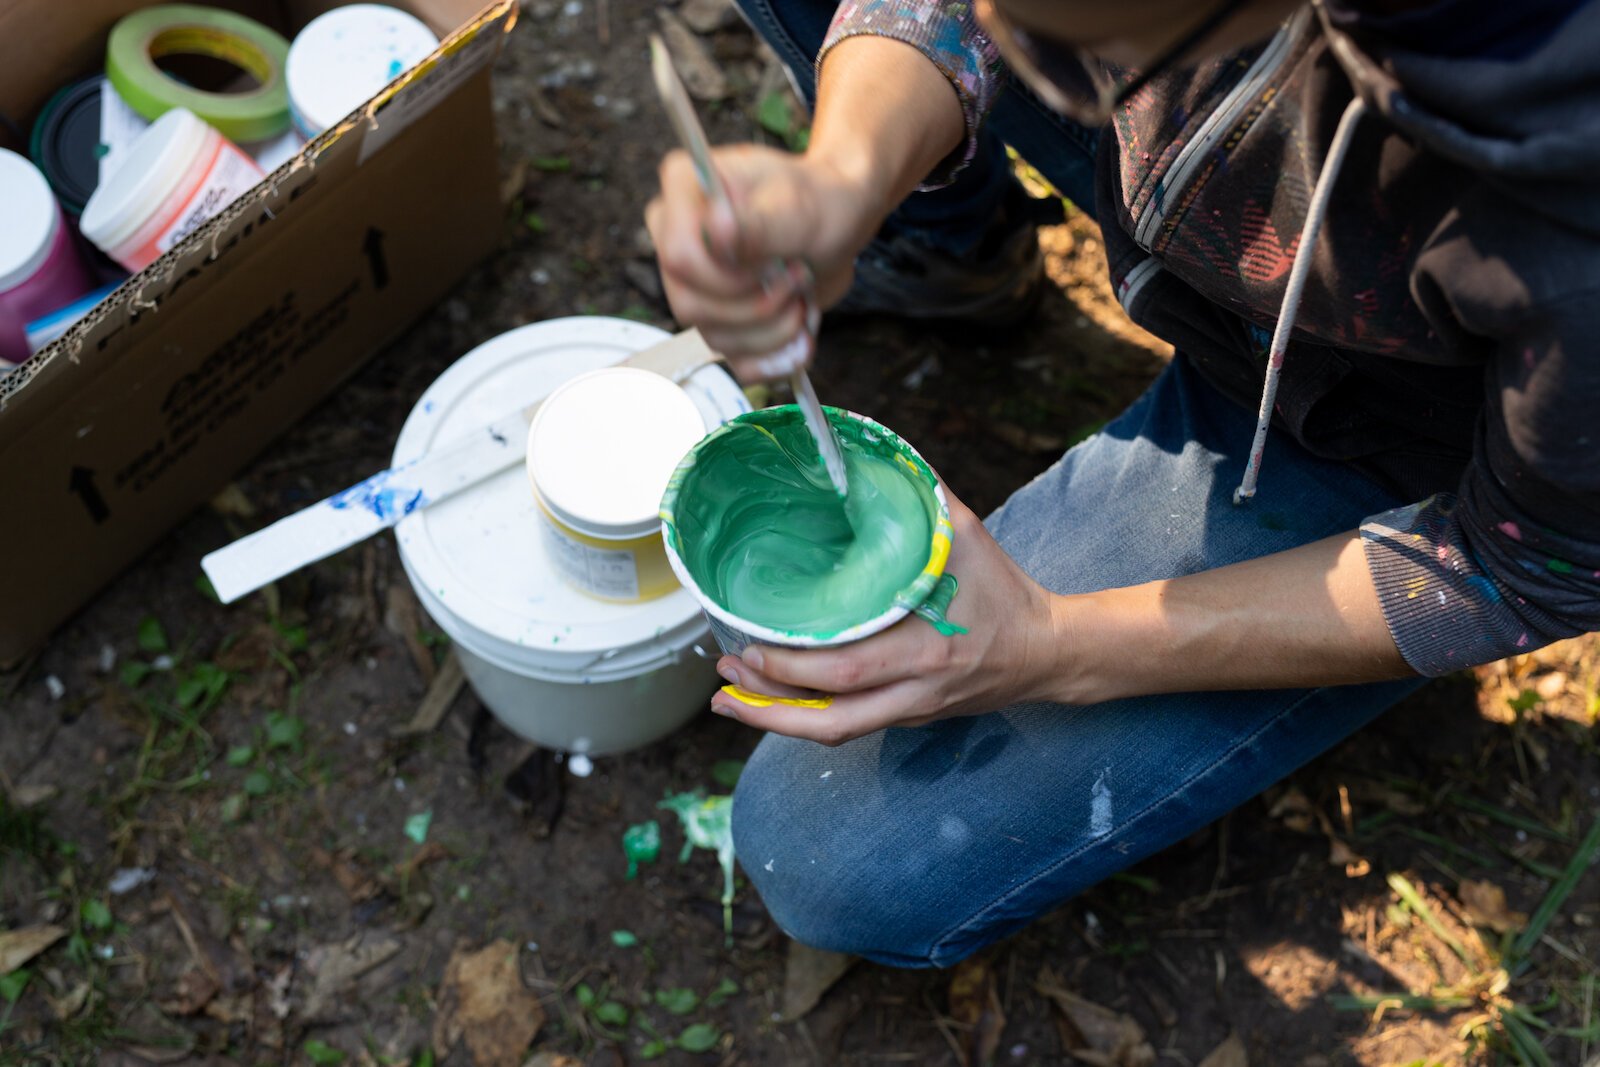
(1320, 194)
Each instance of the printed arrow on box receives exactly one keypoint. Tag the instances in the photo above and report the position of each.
(379, 502)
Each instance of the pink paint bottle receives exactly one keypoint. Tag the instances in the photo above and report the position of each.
(40, 266)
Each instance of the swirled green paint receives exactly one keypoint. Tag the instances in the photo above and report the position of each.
(765, 535)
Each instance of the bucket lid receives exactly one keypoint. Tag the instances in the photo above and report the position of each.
(477, 559)
(144, 178)
(28, 219)
(344, 56)
(603, 446)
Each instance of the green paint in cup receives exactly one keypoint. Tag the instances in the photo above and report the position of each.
(755, 530)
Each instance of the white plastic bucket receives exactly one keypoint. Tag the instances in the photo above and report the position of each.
(558, 667)
(173, 178)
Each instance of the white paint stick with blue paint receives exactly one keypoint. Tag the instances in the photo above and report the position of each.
(379, 502)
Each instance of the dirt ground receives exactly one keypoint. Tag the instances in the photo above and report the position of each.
(231, 854)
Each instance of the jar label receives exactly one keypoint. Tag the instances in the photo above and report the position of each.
(231, 175)
(604, 572)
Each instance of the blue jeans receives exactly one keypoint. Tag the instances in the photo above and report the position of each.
(954, 217)
(918, 846)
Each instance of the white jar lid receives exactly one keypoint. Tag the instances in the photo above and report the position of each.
(144, 179)
(28, 219)
(603, 447)
(477, 560)
(344, 56)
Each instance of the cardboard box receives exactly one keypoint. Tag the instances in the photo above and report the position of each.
(142, 412)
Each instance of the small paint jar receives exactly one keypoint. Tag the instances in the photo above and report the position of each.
(341, 58)
(600, 451)
(40, 265)
(65, 142)
(759, 475)
(175, 177)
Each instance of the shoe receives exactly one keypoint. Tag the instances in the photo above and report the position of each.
(997, 285)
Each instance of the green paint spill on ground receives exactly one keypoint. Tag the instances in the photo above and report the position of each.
(708, 823)
(641, 843)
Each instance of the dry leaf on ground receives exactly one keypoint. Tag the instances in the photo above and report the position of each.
(693, 59)
(1485, 904)
(1100, 1037)
(336, 967)
(807, 974)
(1295, 809)
(708, 16)
(483, 1000)
(1551, 686)
(1342, 855)
(975, 1004)
(21, 945)
(1401, 803)
(1230, 1053)
(194, 990)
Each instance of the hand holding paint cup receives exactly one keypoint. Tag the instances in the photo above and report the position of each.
(810, 596)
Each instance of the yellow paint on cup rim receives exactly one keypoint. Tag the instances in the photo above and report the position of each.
(600, 452)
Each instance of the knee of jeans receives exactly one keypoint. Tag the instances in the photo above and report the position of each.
(843, 896)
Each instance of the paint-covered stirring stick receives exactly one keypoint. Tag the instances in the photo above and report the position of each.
(790, 359)
(381, 501)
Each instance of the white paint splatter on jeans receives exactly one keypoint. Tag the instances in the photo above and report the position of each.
(1100, 807)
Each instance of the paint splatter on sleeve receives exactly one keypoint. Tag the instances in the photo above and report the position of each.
(1511, 561)
(947, 32)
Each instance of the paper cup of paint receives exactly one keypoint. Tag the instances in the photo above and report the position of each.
(754, 529)
(600, 452)
(177, 175)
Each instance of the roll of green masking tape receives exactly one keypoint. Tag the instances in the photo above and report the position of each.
(143, 37)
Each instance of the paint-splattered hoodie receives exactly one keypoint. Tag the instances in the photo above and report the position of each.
(1448, 342)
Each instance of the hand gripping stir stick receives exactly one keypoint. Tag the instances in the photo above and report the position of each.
(680, 111)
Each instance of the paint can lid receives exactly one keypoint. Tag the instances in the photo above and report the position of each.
(341, 58)
(144, 178)
(604, 445)
(66, 142)
(29, 217)
(477, 560)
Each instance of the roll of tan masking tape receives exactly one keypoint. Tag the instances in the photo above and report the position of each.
(143, 37)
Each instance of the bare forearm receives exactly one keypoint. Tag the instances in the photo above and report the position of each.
(1308, 616)
(885, 117)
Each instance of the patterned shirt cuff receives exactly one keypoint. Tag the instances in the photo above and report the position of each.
(1444, 608)
(947, 32)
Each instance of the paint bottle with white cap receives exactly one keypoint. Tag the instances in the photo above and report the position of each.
(600, 452)
(343, 57)
(40, 265)
(177, 175)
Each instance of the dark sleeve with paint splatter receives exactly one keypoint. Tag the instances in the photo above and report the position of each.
(1511, 561)
(947, 32)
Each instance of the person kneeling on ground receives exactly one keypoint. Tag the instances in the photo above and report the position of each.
(1371, 224)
